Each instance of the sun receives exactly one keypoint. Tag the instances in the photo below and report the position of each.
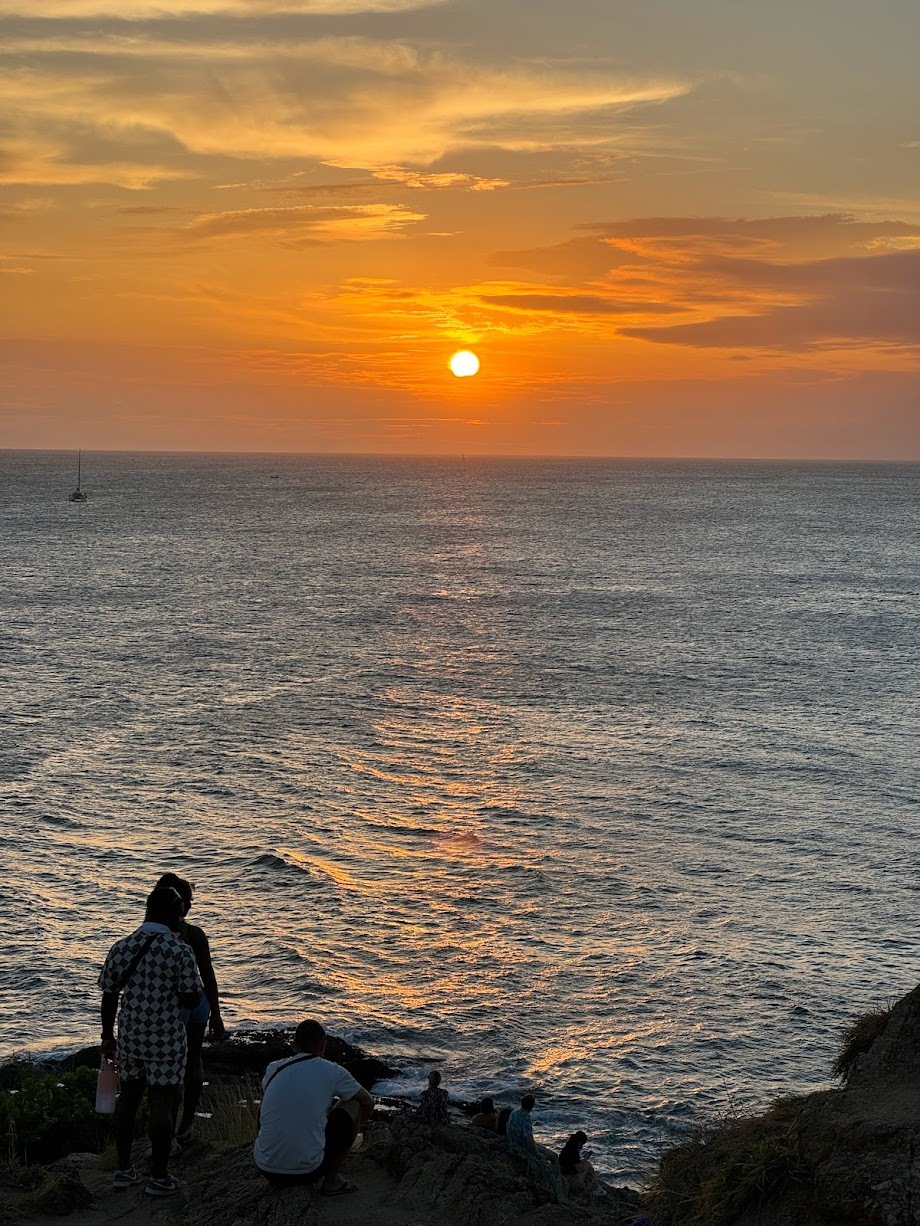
(464, 363)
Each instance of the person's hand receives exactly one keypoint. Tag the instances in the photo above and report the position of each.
(216, 1030)
(107, 1048)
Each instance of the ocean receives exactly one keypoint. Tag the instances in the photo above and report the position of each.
(591, 778)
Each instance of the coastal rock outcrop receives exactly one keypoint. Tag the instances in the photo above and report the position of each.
(842, 1157)
(248, 1052)
(407, 1172)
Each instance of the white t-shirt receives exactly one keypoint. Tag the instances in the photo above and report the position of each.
(292, 1125)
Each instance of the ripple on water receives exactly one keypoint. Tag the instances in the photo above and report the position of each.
(545, 772)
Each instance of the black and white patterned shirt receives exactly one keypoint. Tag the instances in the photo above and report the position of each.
(151, 1034)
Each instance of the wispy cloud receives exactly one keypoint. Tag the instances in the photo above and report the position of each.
(139, 10)
(578, 304)
(299, 223)
(740, 284)
(347, 101)
(43, 162)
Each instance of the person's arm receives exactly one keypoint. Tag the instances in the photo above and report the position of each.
(187, 979)
(349, 1091)
(109, 1013)
(365, 1103)
(202, 951)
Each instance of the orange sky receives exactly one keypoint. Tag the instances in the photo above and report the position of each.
(666, 228)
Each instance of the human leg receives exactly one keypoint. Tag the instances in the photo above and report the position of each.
(341, 1129)
(194, 1076)
(163, 1101)
(129, 1099)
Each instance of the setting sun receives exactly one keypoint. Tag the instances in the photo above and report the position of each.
(464, 363)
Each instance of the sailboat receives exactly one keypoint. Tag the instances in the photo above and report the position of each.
(78, 495)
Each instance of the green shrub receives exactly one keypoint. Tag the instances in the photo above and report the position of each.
(51, 1114)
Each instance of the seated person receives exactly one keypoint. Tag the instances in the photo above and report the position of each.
(501, 1121)
(304, 1134)
(542, 1163)
(520, 1132)
(487, 1116)
(432, 1107)
(578, 1171)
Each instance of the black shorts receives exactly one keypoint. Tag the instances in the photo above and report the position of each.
(340, 1132)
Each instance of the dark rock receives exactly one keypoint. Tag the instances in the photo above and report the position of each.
(450, 1175)
(247, 1053)
(62, 1193)
(842, 1157)
(236, 1194)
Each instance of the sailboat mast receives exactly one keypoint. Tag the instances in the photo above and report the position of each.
(79, 467)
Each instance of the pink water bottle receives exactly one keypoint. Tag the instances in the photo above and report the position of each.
(106, 1085)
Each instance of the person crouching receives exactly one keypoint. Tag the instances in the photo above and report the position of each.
(312, 1112)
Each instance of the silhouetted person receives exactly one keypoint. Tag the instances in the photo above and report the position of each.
(487, 1116)
(311, 1116)
(206, 1013)
(433, 1105)
(154, 973)
(578, 1171)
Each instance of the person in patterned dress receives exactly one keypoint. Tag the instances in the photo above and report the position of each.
(433, 1104)
(153, 972)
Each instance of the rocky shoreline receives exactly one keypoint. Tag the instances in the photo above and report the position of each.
(408, 1174)
(848, 1156)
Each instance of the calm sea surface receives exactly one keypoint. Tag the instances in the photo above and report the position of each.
(597, 779)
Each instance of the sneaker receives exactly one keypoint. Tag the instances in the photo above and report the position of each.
(126, 1179)
(167, 1186)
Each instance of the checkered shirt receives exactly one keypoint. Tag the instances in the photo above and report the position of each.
(151, 1035)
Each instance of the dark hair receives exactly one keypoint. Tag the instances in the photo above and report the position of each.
(309, 1034)
(434, 1077)
(527, 1102)
(487, 1107)
(165, 906)
(183, 888)
(568, 1155)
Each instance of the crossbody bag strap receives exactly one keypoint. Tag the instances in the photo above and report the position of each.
(136, 961)
(280, 1069)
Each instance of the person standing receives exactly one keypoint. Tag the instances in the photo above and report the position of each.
(311, 1116)
(205, 1015)
(153, 973)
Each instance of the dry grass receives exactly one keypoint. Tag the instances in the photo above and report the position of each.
(737, 1165)
(858, 1038)
(233, 1111)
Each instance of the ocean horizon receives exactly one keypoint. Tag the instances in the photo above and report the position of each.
(589, 777)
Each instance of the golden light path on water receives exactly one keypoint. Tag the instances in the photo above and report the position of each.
(545, 772)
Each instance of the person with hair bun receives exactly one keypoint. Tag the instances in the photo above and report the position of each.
(206, 1015)
(152, 973)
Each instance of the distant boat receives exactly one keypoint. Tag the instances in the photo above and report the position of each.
(78, 495)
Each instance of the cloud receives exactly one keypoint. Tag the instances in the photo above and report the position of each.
(576, 304)
(342, 100)
(297, 225)
(855, 315)
(40, 161)
(743, 284)
(140, 10)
